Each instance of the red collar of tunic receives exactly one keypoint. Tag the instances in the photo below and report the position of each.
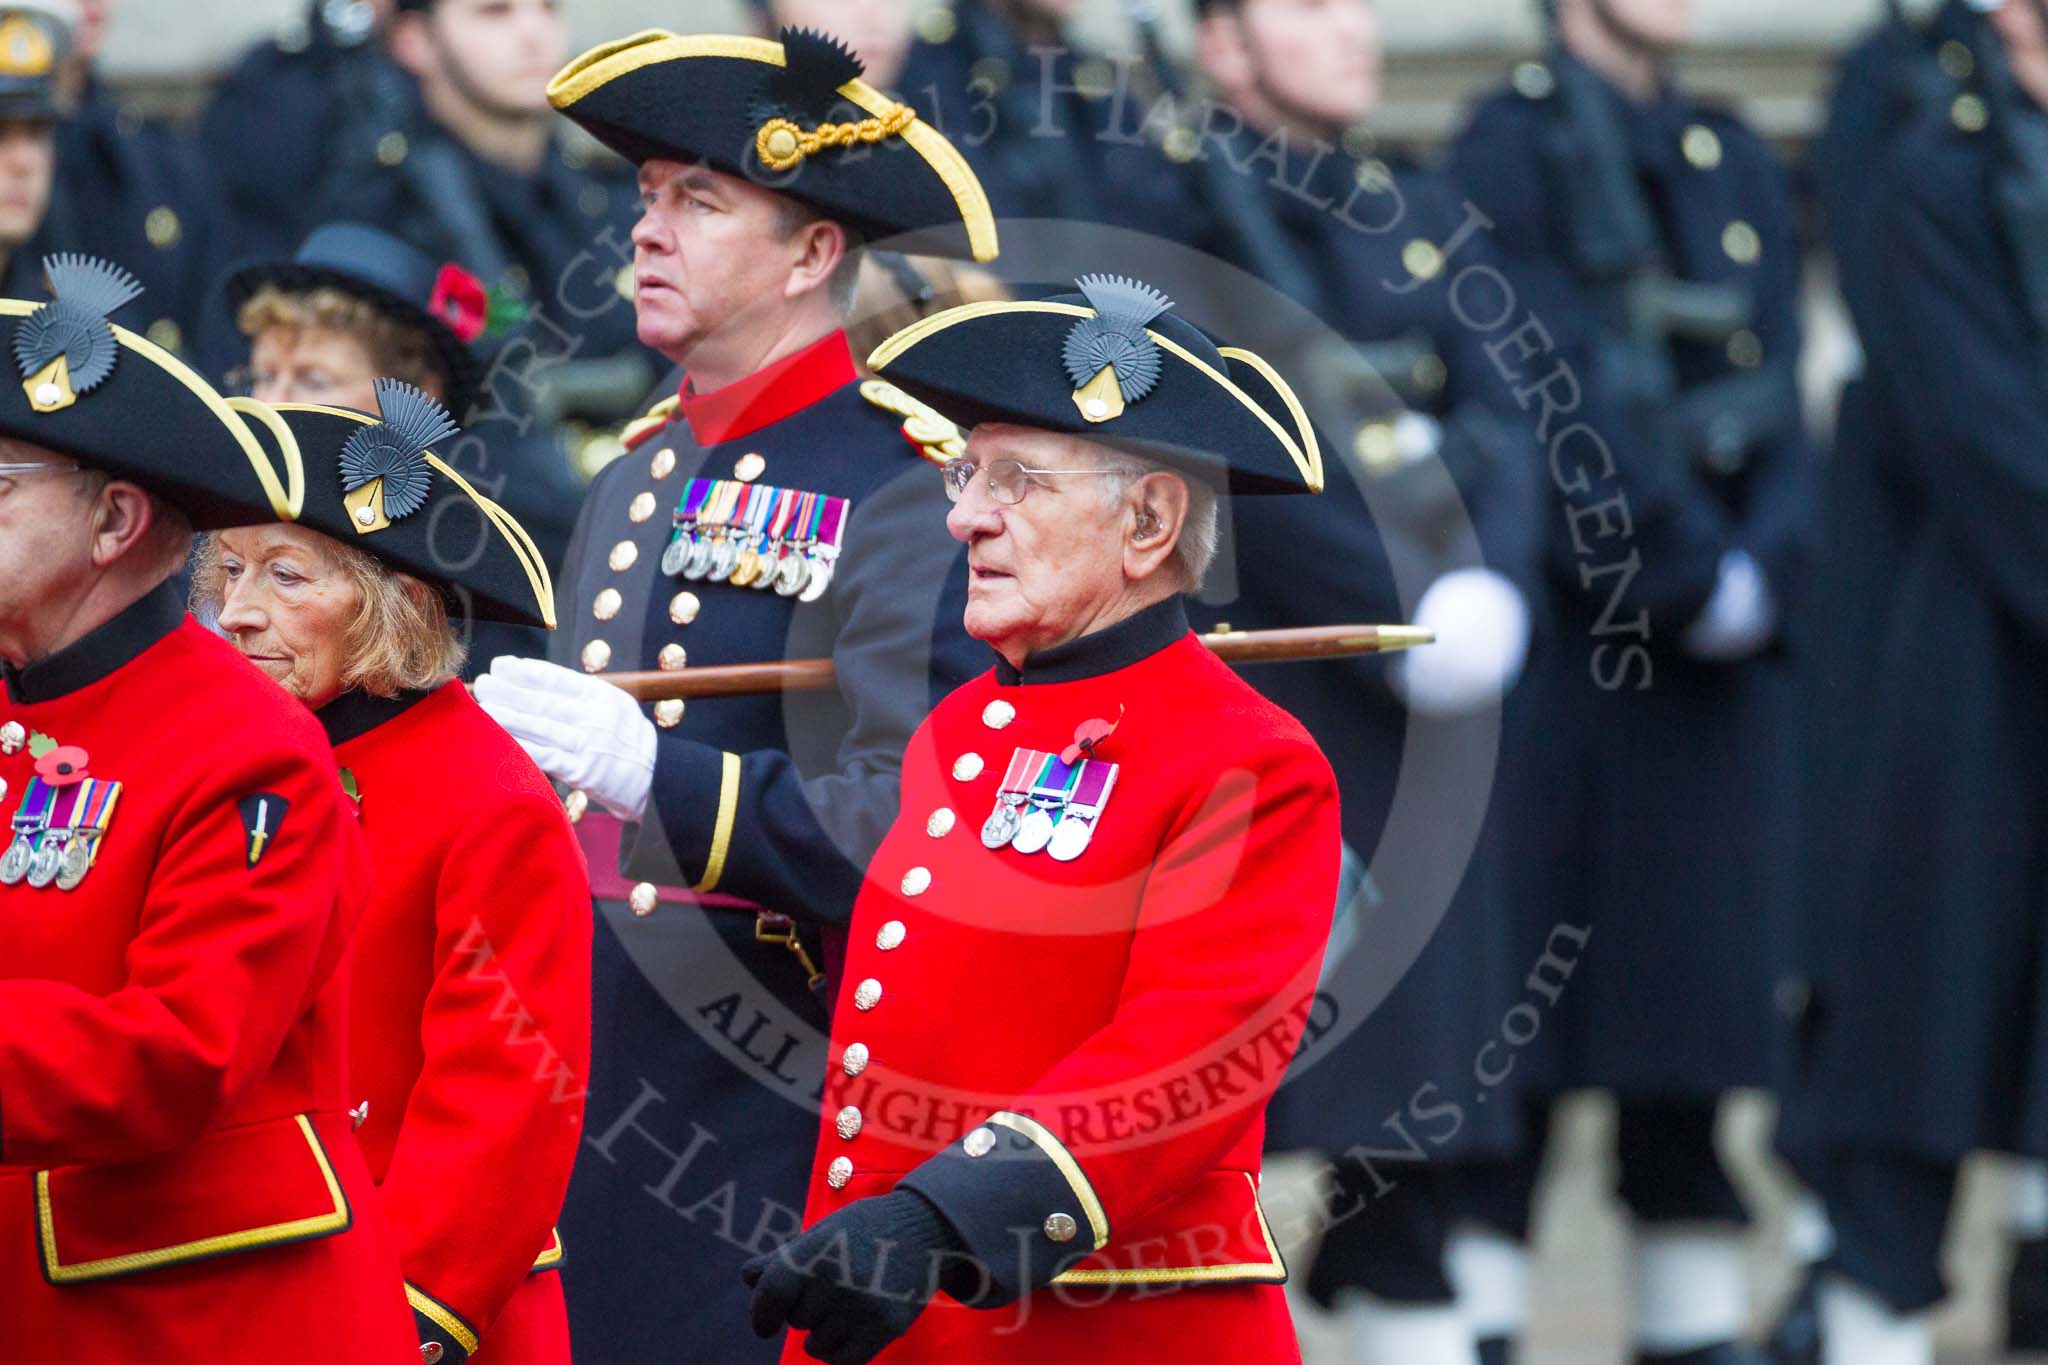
(768, 395)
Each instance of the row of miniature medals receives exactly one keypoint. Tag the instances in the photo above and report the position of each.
(63, 815)
(754, 535)
(1047, 804)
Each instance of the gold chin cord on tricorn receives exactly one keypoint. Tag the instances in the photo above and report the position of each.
(783, 145)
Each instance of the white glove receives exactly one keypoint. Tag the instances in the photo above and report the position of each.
(579, 730)
(1740, 618)
(1482, 640)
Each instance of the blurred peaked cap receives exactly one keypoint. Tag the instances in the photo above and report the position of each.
(1112, 363)
(387, 272)
(87, 387)
(35, 42)
(378, 482)
(791, 115)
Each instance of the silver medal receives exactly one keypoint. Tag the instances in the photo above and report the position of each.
(14, 864)
(1034, 832)
(820, 580)
(724, 555)
(672, 558)
(76, 862)
(697, 561)
(792, 574)
(42, 864)
(1070, 840)
(1002, 822)
(771, 566)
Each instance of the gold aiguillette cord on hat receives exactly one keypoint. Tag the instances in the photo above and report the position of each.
(1235, 647)
(783, 145)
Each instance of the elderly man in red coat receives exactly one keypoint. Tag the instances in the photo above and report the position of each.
(178, 1176)
(1084, 952)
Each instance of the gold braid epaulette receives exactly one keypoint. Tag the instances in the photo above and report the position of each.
(657, 417)
(940, 440)
(783, 145)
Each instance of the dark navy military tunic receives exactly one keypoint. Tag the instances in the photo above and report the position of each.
(708, 1041)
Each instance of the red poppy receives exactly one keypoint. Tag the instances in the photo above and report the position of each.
(460, 300)
(1087, 735)
(63, 766)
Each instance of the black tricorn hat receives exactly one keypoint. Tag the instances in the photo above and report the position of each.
(444, 303)
(109, 398)
(791, 115)
(1112, 364)
(374, 483)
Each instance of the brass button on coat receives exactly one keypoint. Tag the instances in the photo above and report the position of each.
(839, 1172)
(867, 994)
(854, 1060)
(917, 881)
(997, 714)
(848, 1123)
(624, 556)
(683, 608)
(941, 823)
(663, 464)
(643, 899)
(891, 936)
(749, 466)
(672, 658)
(596, 655)
(641, 508)
(607, 605)
(967, 767)
(980, 1142)
(1061, 1227)
(669, 714)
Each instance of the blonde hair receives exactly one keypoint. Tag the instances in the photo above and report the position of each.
(396, 350)
(400, 638)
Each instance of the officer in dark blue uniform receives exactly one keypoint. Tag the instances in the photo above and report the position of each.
(280, 117)
(1655, 243)
(1926, 1029)
(1434, 504)
(1003, 80)
(124, 189)
(1903, 71)
(775, 507)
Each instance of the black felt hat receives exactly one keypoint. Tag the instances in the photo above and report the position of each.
(109, 398)
(791, 115)
(1114, 365)
(443, 302)
(376, 483)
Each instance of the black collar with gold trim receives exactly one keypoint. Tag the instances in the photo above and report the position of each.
(1136, 637)
(355, 713)
(100, 652)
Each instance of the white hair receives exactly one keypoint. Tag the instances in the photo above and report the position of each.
(1195, 551)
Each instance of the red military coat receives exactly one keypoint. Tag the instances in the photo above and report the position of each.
(1071, 1056)
(177, 1177)
(470, 1018)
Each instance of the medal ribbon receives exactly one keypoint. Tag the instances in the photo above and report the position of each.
(1091, 792)
(833, 522)
(34, 815)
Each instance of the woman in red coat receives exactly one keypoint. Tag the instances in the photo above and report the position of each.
(1084, 953)
(470, 1014)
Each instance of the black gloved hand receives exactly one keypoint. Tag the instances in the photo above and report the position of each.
(857, 1280)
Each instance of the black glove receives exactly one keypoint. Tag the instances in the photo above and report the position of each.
(857, 1280)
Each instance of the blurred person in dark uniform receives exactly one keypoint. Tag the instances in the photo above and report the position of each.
(81, 175)
(775, 506)
(1926, 1031)
(484, 177)
(136, 190)
(1883, 87)
(1435, 470)
(1002, 79)
(277, 118)
(1654, 242)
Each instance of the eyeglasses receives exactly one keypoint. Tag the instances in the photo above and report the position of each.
(23, 468)
(1008, 480)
